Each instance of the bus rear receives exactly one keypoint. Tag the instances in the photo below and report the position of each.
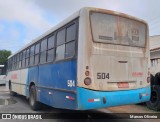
(113, 69)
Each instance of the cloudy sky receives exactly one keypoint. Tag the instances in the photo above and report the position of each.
(23, 20)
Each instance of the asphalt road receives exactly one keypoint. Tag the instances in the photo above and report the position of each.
(20, 105)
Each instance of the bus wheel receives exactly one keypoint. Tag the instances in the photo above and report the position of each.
(35, 105)
(157, 79)
(154, 102)
(152, 80)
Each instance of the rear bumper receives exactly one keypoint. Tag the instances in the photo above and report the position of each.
(89, 99)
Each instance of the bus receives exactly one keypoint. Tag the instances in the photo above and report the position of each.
(2, 75)
(94, 59)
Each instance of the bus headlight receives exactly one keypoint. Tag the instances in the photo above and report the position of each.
(87, 81)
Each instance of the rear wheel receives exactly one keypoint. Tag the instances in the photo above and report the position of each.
(154, 102)
(152, 79)
(157, 79)
(35, 105)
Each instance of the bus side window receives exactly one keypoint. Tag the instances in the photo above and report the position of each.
(8, 64)
(60, 44)
(31, 62)
(51, 49)
(36, 58)
(70, 41)
(17, 63)
(20, 60)
(15, 59)
(43, 51)
(27, 57)
(23, 58)
(60, 52)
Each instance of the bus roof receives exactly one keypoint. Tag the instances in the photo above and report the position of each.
(75, 15)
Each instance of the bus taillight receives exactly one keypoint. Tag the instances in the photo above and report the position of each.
(87, 81)
(87, 73)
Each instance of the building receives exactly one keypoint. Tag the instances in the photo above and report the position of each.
(155, 54)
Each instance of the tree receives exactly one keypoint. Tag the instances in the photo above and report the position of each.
(4, 54)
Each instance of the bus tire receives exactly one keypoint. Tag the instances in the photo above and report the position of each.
(152, 79)
(154, 102)
(35, 105)
(157, 79)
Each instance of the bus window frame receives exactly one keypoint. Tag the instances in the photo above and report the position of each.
(76, 21)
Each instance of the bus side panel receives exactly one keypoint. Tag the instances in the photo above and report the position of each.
(57, 84)
(23, 79)
(15, 78)
(32, 77)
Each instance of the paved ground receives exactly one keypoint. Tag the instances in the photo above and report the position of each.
(22, 106)
(131, 109)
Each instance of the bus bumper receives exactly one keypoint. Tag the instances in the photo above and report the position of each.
(89, 99)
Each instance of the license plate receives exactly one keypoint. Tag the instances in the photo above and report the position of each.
(123, 85)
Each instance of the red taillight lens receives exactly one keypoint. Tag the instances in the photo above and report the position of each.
(91, 100)
(87, 73)
(148, 79)
(87, 81)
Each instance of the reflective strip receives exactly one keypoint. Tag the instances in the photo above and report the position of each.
(144, 95)
(93, 100)
(96, 100)
(49, 92)
(69, 97)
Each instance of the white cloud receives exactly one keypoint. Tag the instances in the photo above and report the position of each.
(25, 12)
(147, 10)
(28, 15)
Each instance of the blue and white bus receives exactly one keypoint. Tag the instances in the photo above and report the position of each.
(93, 59)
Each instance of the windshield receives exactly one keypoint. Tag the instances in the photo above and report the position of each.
(2, 70)
(113, 29)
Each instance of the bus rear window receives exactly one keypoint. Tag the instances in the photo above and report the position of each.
(113, 29)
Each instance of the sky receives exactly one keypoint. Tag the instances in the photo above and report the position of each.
(21, 21)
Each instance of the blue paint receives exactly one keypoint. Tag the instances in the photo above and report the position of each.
(32, 77)
(58, 99)
(50, 78)
(57, 75)
(115, 98)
